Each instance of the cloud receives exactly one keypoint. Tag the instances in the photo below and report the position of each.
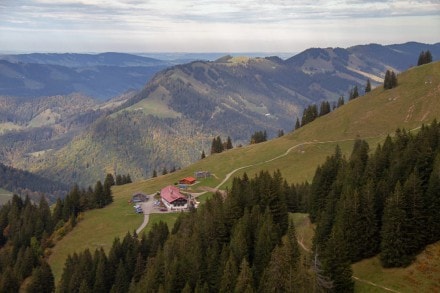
(145, 24)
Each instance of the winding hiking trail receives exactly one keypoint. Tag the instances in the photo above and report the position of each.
(148, 206)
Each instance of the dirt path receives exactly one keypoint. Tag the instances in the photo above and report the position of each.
(375, 285)
(300, 242)
(149, 209)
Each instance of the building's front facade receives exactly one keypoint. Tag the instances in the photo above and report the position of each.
(173, 199)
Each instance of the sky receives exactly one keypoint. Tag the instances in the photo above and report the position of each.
(212, 25)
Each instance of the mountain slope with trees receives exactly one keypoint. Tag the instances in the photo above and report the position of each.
(171, 122)
(372, 117)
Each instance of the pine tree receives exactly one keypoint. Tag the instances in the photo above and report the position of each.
(354, 93)
(9, 281)
(99, 195)
(390, 80)
(297, 124)
(229, 277)
(203, 155)
(341, 101)
(118, 179)
(394, 250)
(122, 282)
(245, 281)
(324, 108)
(336, 263)
(368, 86)
(42, 280)
(424, 58)
(229, 143)
(154, 173)
(416, 214)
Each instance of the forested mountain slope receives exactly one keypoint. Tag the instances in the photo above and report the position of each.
(409, 105)
(175, 117)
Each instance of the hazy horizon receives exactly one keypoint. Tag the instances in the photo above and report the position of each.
(136, 26)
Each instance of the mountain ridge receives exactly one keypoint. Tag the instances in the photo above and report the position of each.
(173, 119)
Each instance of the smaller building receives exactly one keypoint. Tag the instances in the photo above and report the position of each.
(139, 197)
(202, 174)
(187, 180)
(173, 199)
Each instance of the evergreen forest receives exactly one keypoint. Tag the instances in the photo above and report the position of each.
(29, 230)
(385, 202)
(381, 202)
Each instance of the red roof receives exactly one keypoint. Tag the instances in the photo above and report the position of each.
(188, 180)
(171, 193)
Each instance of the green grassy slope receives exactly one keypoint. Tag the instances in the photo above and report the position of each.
(372, 117)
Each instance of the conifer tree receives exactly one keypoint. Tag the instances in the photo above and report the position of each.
(98, 194)
(297, 124)
(154, 173)
(229, 277)
(394, 250)
(42, 279)
(119, 179)
(122, 282)
(229, 143)
(203, 155)
(324, 108)
(424, 58)
(368, 86)
(341, 101)
(354, 93)
(390, 80)
(245, 282)
(336, 263)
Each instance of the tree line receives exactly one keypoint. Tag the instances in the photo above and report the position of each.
(29, 230)
(385, 203)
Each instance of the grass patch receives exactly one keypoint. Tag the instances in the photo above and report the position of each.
(421, 276)
(304, 228)
(5, 196)
(168, 218)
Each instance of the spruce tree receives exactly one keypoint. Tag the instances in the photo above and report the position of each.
(354, 93)
(394, 248)
(368, 86)
(297, 124)
(324, 108)
(336, 263)
(341, 101)
(229, 277)
(203, 155)
(245, 281)
(42, 279)
(229, 143)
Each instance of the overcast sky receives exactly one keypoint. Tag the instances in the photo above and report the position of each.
(212, 26)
